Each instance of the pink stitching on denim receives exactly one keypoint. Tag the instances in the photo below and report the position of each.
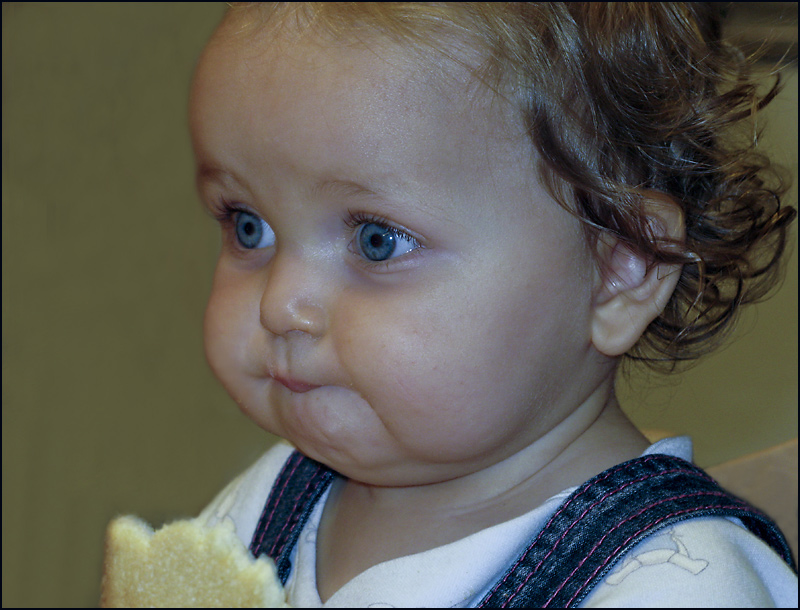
(277, 501)
(569, 501)
(649, 525)
(300, 498)
(588, 487)
(601, 500)
(582, 515)
(620, 524)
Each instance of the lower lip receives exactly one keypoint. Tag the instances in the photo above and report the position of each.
(296, 386)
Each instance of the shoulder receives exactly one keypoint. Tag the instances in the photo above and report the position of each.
(243, 499)
(701, 562)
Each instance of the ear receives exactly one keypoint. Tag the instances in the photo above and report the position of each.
(630, 295)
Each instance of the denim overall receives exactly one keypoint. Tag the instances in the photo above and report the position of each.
(579, 545)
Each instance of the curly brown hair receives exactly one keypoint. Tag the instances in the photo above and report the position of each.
(621, 99)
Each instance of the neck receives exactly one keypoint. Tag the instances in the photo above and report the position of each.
(414, 519)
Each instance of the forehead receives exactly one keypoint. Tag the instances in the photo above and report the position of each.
(370, 111)
(249, 52)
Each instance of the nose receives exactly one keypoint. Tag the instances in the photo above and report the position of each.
(293, 297)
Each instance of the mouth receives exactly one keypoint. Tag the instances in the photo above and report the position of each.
(299, 387)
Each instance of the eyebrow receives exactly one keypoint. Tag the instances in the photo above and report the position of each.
(346, 188)
(210, 173)
(336, 187)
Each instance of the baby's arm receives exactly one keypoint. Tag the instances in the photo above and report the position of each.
(699, 563)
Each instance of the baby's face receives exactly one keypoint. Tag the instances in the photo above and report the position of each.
(396, 294)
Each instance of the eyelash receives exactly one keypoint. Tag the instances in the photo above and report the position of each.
(224, 212)
(357, 219)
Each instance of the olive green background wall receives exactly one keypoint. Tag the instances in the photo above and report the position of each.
(108, 405)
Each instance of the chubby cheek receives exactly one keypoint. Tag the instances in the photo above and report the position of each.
(224, 336)
(215, 339)
(438, 380)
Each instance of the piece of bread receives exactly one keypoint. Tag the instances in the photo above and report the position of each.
(184, 564)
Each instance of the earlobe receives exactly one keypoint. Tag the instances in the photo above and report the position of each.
(632, 293)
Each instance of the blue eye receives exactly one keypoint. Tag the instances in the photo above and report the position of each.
(379, 243)
(252, 232)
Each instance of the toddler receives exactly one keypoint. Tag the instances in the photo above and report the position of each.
(444, 226)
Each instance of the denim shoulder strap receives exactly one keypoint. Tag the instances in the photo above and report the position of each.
(607, 516)
(296, 491)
